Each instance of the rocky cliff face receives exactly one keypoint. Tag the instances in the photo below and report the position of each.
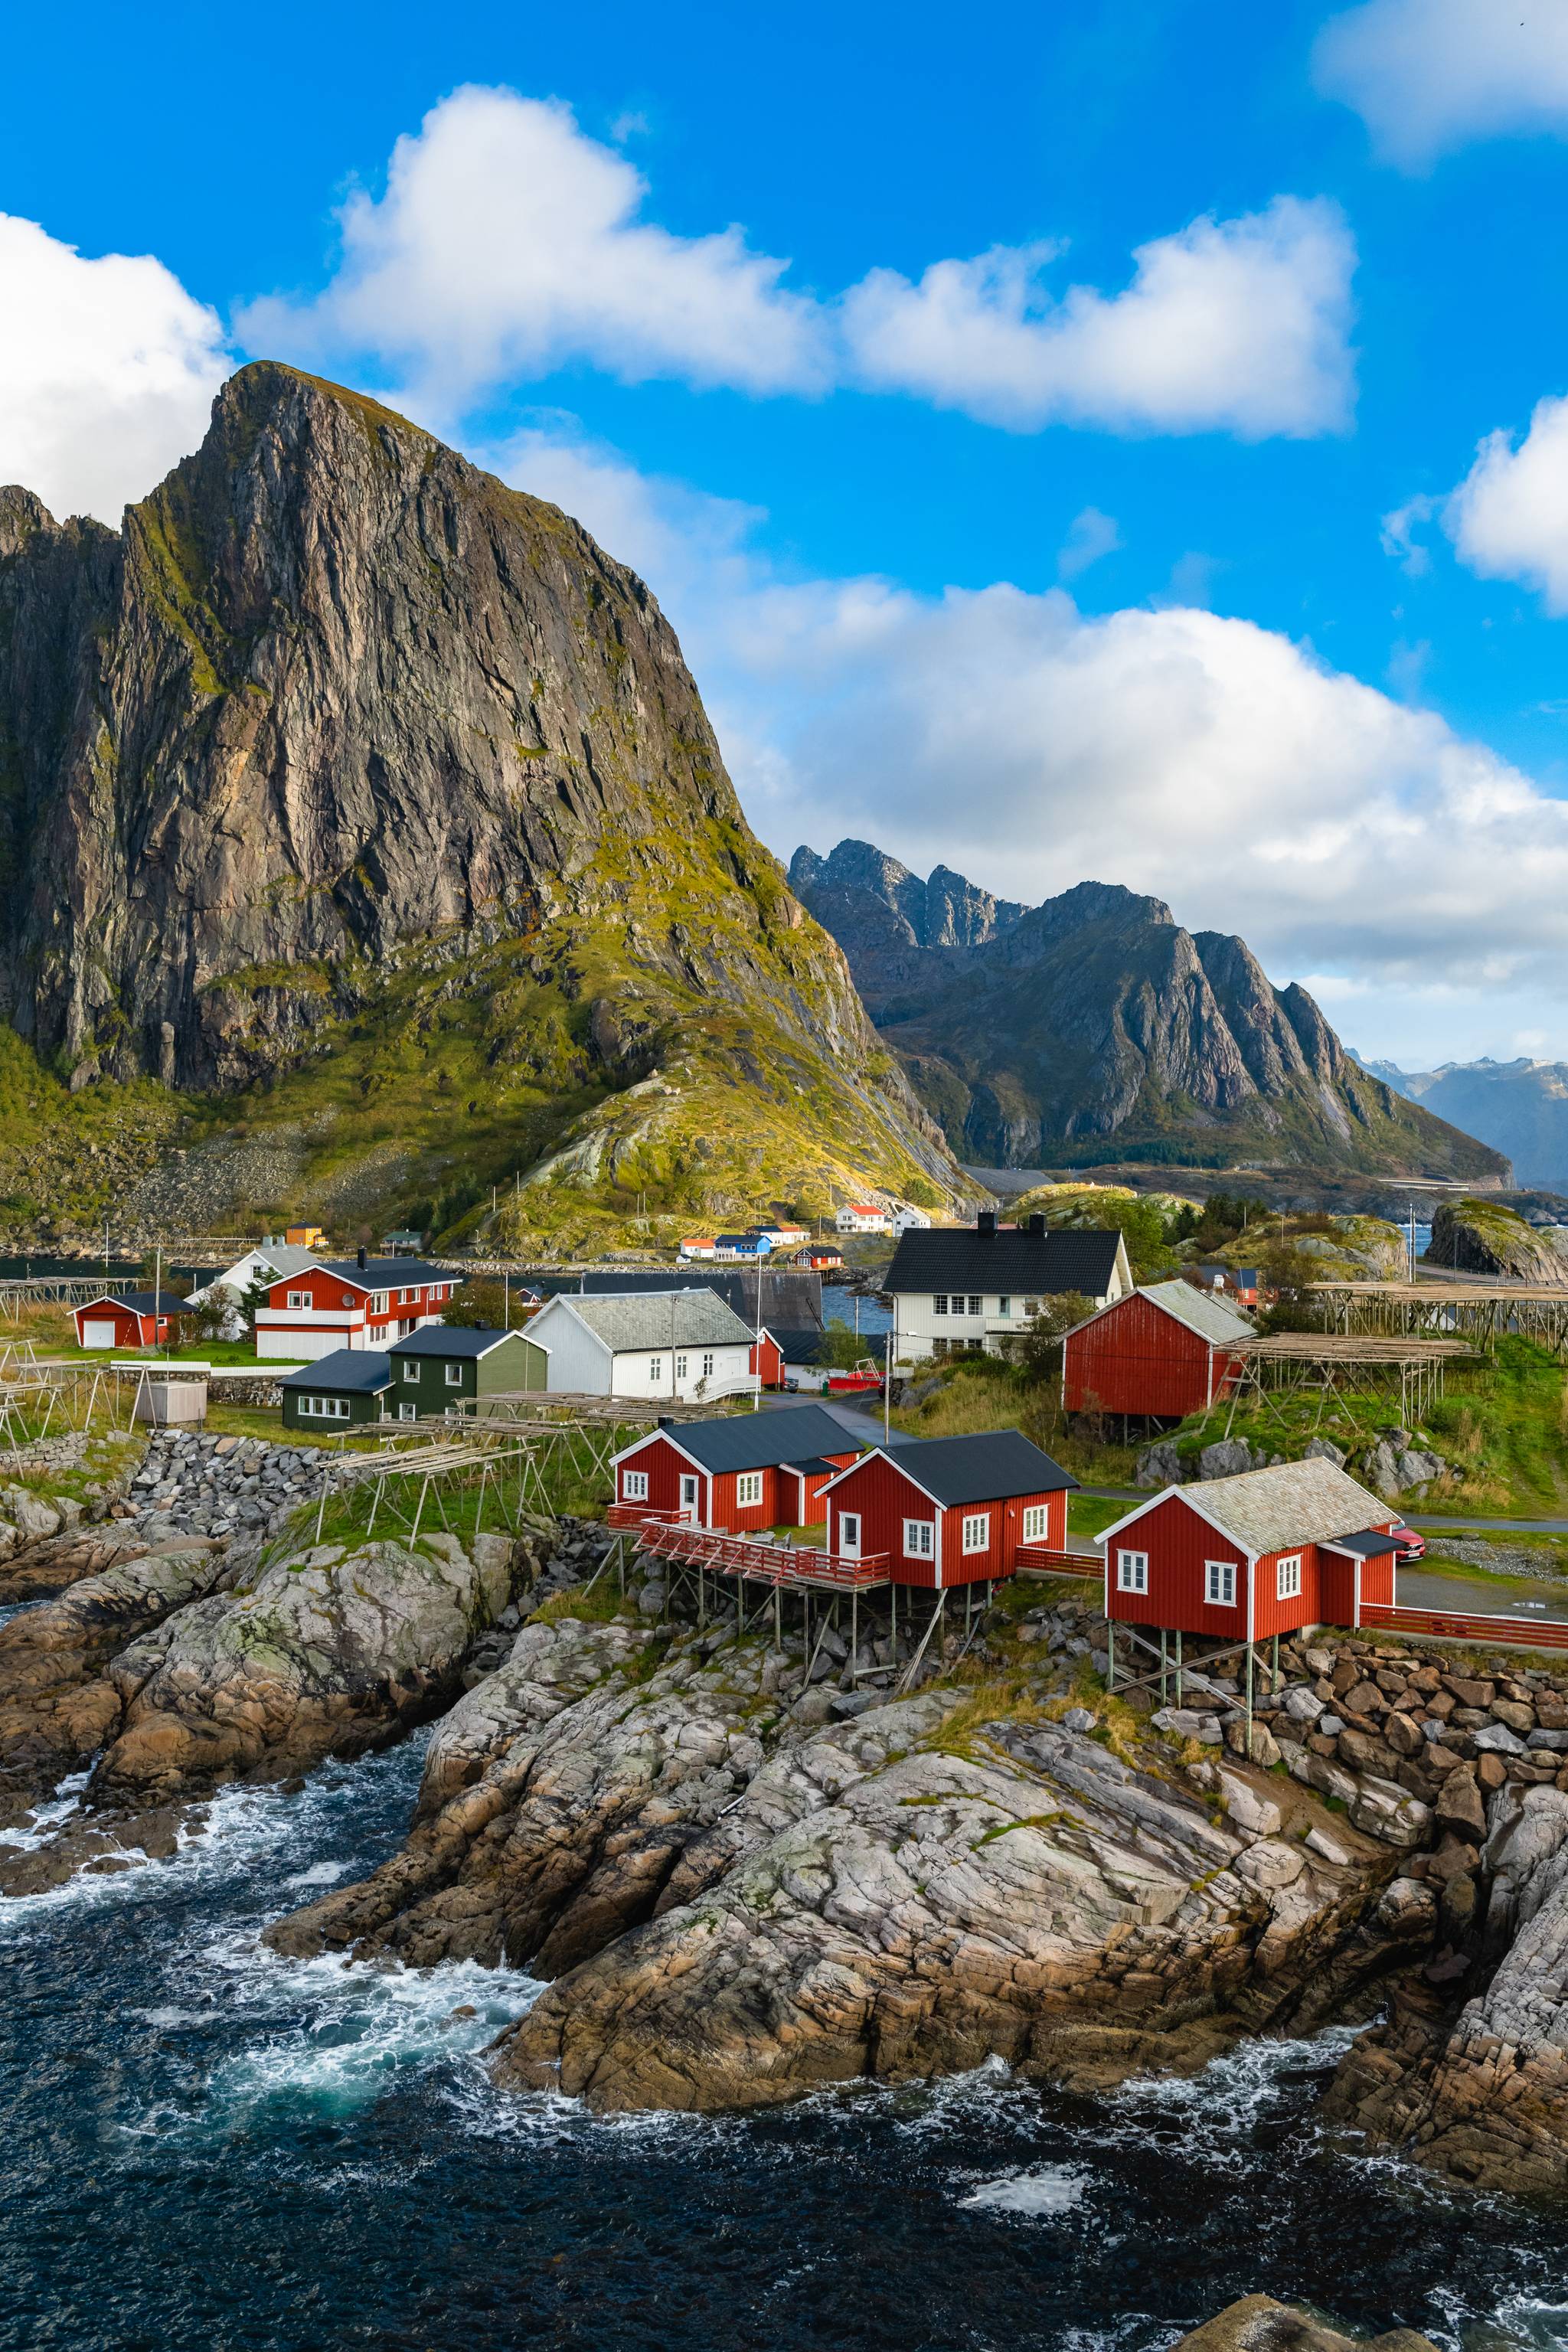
(338, 729)
(1094, 1029)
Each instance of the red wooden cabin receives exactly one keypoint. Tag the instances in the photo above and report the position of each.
(132, 1318)
(1240, 1559)
(767, 1361)
(752, 1470)
(949, 1510)
(1162, 1352)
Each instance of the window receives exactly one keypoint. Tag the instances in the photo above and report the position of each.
(706, 1368)
(380, 1300)
(1003, 1306)
(1031, 1308)
(919, 1539)
(1219, 1583)
(655, 1368)
(680, 1368)
(977, 1531)
(749, 1489)
(300, 1302)
(407, 1412)
(1133, 1572)
(325, 1408)
(1287, 1578)
(634, 1486)
(938, 1304)
(1035, 1519)
(975, 1304)
(850, 1534)
(453, 1376)
(938, 1347)
(411, 1368)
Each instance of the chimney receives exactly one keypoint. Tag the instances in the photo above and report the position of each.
(667, 1421)
(363, 1261)
(985, 1222)
(1036, 1225)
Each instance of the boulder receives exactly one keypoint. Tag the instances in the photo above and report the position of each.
(1245, 1809)
(1258, 2324)
(1158, 1466)
(1226, 1457)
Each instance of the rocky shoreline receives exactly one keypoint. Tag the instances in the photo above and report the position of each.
(749, 1870)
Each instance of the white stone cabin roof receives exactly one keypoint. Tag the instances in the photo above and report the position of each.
(655, 1319)
(1276, 1509)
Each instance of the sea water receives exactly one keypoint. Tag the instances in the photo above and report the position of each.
(206, 2146)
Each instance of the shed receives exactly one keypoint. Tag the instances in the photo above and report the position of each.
(752, 1470)
(949, 1510)
(1269, 1551)
(350, 1386)
(445, 1368)
(1162, 1352)
(129, 1318)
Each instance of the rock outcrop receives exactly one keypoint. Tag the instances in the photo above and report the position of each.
(339, 739)
(324, 1652)
(1258, 2324)
(1095, 1028)
(1484, 1237)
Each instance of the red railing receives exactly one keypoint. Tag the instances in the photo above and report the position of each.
(731, 1555)
(1044, 1560)
(1511, 1633)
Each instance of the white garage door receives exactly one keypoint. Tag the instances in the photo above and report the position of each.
(98, 1335)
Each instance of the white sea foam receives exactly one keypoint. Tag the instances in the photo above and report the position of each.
(1044, 2193)
(321, 1873)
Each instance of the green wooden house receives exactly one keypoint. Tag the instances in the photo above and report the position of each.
(445, 1368)
(338, 1390)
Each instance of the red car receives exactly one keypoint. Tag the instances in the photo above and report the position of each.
(1412, 1546)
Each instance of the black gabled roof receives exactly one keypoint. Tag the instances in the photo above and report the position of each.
(141, 1302)
(452, 1340)
(796, 1347)
(347, 1372)
(383, 1273)
(760, 1441)
(958, 1257)
(983, 1469)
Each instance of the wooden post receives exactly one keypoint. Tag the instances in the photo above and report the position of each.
(1249, 1654)
(1165, 1637)
(1111, 1653)
(1178, 1670)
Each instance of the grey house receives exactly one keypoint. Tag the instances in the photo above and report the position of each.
(337, 1392)
(446, 1369)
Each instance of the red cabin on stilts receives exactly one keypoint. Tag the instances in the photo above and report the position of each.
(751, 1471)
(950, 1510)
(1162, 1352)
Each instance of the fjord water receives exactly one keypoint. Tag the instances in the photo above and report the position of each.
(206, 2147)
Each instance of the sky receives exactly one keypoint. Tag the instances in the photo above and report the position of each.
(1125, 441)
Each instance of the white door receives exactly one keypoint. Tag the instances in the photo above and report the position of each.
(848, 1535)
(97, 1335)
(689, 1498)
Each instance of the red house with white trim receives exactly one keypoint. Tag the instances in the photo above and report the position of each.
(1162, 1352)
(363, 1302)
(767, 1361)
(949, 1510)
(751, 1472)
(1240, 1559)
(129, 1318)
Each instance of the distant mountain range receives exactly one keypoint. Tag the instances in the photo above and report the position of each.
(1094, 1029)
(1519, 1108)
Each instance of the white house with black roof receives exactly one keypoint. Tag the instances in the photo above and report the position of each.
(956, 1288)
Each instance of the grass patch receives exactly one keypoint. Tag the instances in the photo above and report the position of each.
(602, 1606)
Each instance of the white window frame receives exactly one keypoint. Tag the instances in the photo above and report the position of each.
(680, 1368)
(1036, 1522)
(977, 1303)
(748, 1489)
(380, 1302)
(919, 1539)
(407, 1412)
(1132, 1571)
(939, 1303)
(655, 1368)
(1287, 1578)
(1004, 1305)
(300, 1302)
(411, 1368)
(453, 1376)
(977, 1531)
(1219, 1583)
(325, 1408)
(706, 1368)
(634, 1486)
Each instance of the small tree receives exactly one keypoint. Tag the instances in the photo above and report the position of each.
(477, 1305)
(1038, 1350)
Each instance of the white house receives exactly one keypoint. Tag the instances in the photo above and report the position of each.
(685, 1344)
(861, 1217)
(701, 1248)
(263, 1265)
(906, 1220)
(956, 1288)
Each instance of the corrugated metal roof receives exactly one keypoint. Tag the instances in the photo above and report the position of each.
(1293, 1502)
(759, 1441)
(347, 1372)
(957, 1257)
(1210, 1318)
(678, 1318)
(982, 1469)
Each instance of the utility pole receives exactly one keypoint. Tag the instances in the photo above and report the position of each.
(888, 1362)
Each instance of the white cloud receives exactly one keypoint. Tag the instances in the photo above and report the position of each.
(1509, 517)
(1236, 326)
(1427, 75)
(1211, 763)
(1090, 535)
(509, 244)
(1397, 532)
(107, 369)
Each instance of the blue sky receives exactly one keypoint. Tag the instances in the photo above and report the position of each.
(1190, 578)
